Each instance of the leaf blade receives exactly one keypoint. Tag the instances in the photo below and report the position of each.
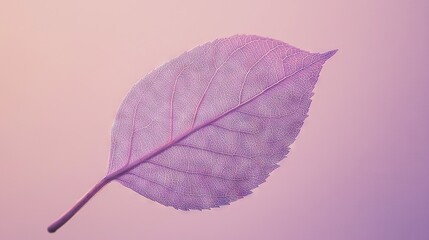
(203, 186)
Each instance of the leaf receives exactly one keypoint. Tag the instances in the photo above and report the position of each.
(206, 128)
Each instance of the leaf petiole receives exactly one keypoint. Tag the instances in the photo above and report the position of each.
(70, 213)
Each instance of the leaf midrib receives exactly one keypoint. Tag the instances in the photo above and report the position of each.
(155, 152)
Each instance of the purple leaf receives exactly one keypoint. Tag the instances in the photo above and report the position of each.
(206, 128)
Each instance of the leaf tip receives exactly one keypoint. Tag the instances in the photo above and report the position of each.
(329, 54)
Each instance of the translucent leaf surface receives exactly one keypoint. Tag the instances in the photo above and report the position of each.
(206, 128)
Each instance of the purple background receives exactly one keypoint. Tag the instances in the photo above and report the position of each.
(358, 170)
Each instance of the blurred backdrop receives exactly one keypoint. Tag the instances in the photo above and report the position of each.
(358, 170)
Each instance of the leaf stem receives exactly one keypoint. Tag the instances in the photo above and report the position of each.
(69, 214)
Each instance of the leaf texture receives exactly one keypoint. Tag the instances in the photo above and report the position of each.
(209, 126)
(206, 128)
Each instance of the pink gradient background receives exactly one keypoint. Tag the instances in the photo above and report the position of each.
(358, 170)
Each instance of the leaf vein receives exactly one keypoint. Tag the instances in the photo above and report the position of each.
(213, 76)
(214, 151)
